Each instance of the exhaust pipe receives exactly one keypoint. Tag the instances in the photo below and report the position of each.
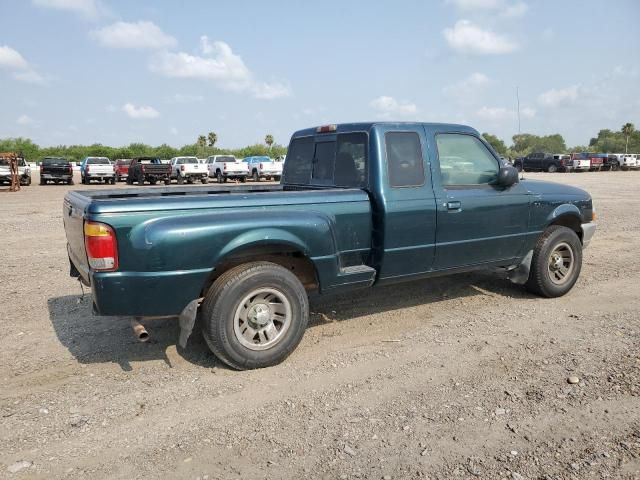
(139, 331)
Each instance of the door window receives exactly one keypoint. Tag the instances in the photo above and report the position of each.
(464, 160)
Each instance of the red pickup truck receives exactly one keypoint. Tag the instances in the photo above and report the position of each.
(122, 169)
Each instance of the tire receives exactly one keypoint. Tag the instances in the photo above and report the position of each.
(180, 180)
(129, 180)
(615, 166)
(543, 276)
(226, 179)
(167, 181)
(153, 182)
(222, 315)
(277, 179)
(219, 176)
(113, 181)
(70, 181)
(204, 180)
(141, 180)
(255, 176)
(43, 182)
(552, 168)
(243, 179)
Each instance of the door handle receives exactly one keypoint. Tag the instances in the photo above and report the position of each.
(454, 206)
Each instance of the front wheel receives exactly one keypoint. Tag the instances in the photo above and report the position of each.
(180, 180)
(255, 315)
(556, 262)
(204, 179)
(167, 181)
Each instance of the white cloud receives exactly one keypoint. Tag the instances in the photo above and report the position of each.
(220, 65)
(503, 7)
(528, 112)
(465, 91)
(141, 112)
(185, 98)
(466, 37)
(24, 120)
(87, 8)
(138, 35)
(11, 59)
(495, 113)
(389, 107)
(558, 97)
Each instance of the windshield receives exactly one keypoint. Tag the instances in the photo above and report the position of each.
(54, 161)
(98, 161)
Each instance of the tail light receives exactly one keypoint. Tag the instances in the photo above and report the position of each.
(86, 169)
(224, 167)
(142, 168)
(101, 245)
(70, 168)
(182, 168)
(260, 166)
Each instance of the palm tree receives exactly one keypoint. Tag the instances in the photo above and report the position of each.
(269, 140)
(627, 130)
(202, 141)
(213, 138)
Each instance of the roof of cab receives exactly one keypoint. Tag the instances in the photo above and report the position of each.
(366, 126)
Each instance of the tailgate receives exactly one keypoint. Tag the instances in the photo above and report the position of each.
(73, 218)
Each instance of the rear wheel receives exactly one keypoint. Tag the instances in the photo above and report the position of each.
(255, 315)
(180, 180)
(219, 176)
(243, 179)
(167, 181)
(141, 180)
(615, 166)
(552, 168)
(556, 262)
(204, 180)
(153, 182)
(70, 181)
(256, 176)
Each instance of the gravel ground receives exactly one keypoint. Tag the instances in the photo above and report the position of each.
(457, 377)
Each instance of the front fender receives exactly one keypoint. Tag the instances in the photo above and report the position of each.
(562, 210)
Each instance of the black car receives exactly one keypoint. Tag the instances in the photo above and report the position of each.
(543, 162)
(149, 169)
(57, 170)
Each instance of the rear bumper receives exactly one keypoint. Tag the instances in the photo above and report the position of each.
(49, 176)
(588, 230)
(146, 293)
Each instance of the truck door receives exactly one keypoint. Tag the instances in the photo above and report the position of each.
(478, 222)
(406, 211)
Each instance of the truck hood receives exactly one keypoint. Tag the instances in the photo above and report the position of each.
(540, 187)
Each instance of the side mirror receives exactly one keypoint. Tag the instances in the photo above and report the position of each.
(507, 176)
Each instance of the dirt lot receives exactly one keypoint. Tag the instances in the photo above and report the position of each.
(461, 377)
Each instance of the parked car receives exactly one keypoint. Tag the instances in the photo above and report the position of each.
(223, 167)
(149, 169)
(24, 172)
(189, 169)
(564, 161)
(542, 162)
(97, 168)
(122, 169)
(57, 170)
(629, 162)
(264, 167)
(428, 200)
(581, 162)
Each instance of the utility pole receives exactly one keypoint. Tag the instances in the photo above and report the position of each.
(518, 103)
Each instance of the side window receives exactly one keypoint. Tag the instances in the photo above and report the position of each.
(323, 160)
(464, 160)
(404, 159)
(351, 160)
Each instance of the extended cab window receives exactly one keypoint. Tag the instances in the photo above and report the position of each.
(341, 162)
(464, 160)
(404, 159)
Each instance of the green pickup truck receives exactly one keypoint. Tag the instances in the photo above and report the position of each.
(359, 205)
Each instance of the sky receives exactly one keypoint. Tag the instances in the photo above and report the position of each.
(116, 72)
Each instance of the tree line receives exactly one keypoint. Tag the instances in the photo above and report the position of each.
(204, 146)
(626, 140)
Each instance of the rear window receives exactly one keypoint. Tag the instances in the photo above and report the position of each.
(404, 159)
(98, 161)
(54, 161)
(190, 160)
(340, 162)
(226, 159)
(123, 162)
(148, 161)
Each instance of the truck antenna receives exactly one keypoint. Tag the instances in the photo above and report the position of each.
(518, 104)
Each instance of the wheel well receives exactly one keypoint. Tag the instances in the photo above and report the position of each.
(283, 255)
(569, 221)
